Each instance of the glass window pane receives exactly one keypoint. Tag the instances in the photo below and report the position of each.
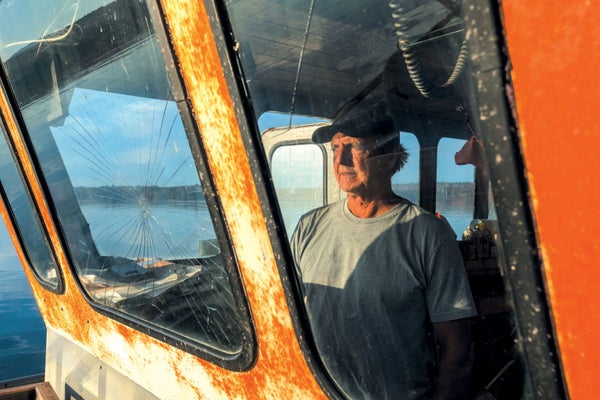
(373, 71)
(25, 220)
(455, 187)
(92, 87)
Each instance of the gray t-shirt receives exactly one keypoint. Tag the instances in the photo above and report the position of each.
(372, 288)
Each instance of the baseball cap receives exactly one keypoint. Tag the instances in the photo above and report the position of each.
(360, 120)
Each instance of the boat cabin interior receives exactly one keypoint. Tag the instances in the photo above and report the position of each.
(154, 165)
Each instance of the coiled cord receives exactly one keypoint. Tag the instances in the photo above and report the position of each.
(413, 65)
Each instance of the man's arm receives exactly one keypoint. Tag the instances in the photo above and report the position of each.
(455, 359)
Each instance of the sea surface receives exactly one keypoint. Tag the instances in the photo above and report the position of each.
(22, 330)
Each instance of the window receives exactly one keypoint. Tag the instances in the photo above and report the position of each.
(401, 67)
(297, 165)
(24, 218)
(455, 187)
(91, 84)
(405, 182)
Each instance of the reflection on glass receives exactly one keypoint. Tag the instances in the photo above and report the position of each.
(28, 226)
(128, 156)
(399, 66)
(99, 110)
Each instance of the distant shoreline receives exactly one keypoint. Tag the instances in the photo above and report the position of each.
(136, 194)
(458, 193)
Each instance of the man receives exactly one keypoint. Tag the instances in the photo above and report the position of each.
(383, 280)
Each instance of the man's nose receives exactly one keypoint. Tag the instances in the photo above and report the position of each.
(344, 155)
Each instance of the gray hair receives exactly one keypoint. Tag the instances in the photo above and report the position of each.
(390, 144)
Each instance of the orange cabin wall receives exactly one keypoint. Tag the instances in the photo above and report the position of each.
(280, 370)
(553, 47)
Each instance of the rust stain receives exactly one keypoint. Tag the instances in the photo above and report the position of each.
(280, 370)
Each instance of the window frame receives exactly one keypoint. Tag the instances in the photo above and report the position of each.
(259, 163)
(242, 361)
(326, 170)
(510, 188)
(536, 336)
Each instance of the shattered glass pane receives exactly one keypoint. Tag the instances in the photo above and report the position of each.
(92, 87)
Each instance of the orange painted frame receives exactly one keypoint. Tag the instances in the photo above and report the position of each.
(280, 369)
(554, 47)
(554, 53)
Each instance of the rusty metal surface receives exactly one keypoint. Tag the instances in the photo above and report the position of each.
(556, 102)
(280, 370)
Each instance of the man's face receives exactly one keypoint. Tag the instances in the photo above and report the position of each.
(356, 167)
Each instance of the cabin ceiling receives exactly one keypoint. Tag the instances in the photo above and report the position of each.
(346, 48)
(294, 58)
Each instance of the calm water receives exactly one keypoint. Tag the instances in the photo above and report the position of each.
(22, 331)
(158, 231)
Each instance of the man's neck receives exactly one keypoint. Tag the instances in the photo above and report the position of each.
(372, 206)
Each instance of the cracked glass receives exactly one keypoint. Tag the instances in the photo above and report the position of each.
(91, 84)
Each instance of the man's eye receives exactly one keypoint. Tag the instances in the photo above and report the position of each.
(354, 147)
(359, 147)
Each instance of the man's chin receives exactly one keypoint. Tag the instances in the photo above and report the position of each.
(347, 187)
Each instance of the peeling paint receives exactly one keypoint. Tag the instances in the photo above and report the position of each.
(167, 372)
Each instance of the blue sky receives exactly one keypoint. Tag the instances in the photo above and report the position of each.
(26, 21)
(116, 139)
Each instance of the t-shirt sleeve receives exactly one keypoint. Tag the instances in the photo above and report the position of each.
(448, 293)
